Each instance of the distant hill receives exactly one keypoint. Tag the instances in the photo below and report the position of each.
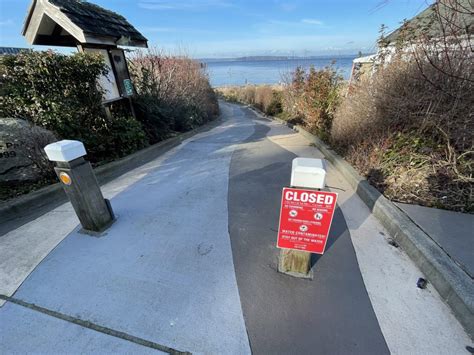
(263, 58)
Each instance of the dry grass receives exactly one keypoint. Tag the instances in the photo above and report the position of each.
(266, 98)
(410, 139)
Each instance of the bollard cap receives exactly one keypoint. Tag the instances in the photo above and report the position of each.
(65, 150)
(308, 172)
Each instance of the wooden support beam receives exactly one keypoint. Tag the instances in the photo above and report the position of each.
(295, 263)
(93, 211)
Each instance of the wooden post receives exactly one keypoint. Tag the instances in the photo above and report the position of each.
(93, 211)
(309, 174)
(295, 263)
(107, 111)
(81, 186)
(132, 109)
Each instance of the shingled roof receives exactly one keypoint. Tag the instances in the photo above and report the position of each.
(81, 20)
(426, 22)
(96, 20)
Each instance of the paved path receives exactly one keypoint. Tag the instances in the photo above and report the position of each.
(190, 265)
(452, 231)
(332, 313)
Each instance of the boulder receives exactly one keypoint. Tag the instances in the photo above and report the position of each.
(22, 157)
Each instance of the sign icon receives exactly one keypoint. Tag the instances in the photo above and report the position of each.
(127, 83)
(293, 213)
(303, 228)
(318, 216)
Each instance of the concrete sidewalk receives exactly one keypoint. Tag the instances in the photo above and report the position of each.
(189, 265)
(162, 274)
(452, 231)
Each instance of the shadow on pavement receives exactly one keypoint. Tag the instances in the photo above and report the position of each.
(330, 314)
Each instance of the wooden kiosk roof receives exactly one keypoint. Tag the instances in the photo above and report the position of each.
(72, 22)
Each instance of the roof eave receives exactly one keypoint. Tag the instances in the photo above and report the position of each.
(128, 42)
(31, 9)
(44, 7)
(92, 39)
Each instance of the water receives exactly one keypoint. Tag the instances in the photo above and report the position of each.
(241, 72)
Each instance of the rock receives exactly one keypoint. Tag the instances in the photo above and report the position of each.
(421, 283)
(393, 243)
(22, 157)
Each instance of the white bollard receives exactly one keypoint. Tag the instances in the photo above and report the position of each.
(308, 173)
(80, 184)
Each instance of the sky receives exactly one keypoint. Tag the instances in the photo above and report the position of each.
(235, 28)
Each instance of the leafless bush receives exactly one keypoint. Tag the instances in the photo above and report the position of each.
(248, 94)
(264, 97)
(410, 127)
(178, 85)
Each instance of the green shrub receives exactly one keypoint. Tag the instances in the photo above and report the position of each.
(54, 91)
(155, 124)
(116, 137)
(60, 92)
(314, 97)
(275, 107)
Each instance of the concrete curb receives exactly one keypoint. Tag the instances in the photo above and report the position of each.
(454, 285)
(33, 205)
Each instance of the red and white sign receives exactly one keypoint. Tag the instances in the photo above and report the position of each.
(305, 219)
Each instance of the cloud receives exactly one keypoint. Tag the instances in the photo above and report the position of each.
(182, 4)
(311, 21)
(6, 22)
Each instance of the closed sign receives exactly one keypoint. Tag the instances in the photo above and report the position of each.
(305, 219)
